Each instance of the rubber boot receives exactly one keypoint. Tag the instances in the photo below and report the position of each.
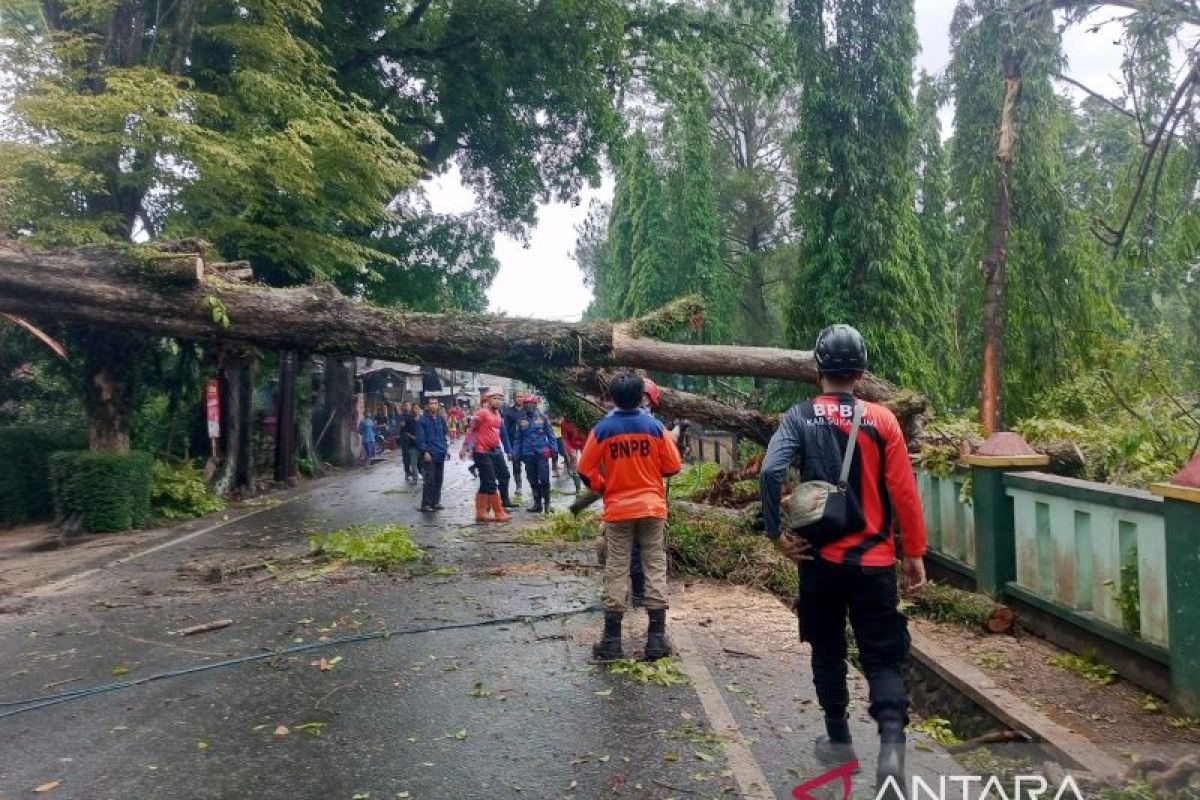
(637, 585)
(575, 480)
(536, 508)
(481, 507)
(609, 646)
(505, 501)
(546, 499)
(891, 761)
(498, 508)
(657, 644)
(836, 747)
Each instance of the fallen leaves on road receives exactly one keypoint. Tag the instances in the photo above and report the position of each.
(663, 672)
(478, 690)
(47, 787)
(311, 728)
(326, 664)
(120, 670)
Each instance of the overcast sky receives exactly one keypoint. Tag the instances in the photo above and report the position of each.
(539, 279)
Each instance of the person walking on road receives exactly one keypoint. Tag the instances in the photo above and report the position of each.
(433, 445)
(486, 433)
(573, 441)
(845, 546)
(512, 420)
(535, 444)
(625, 459)
(366, 431)
(407, 440)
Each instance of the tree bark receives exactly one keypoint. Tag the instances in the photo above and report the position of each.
(237, 469)
(285, 419)
(995, 260)
(120, 287)
(337, 419)
(112, 362)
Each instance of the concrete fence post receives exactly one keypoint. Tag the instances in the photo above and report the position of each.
(1181, 509)
(995, 536)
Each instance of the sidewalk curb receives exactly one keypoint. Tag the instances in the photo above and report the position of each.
(1011, 710)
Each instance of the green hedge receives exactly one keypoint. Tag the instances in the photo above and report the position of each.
(24, 470)
(110, 491)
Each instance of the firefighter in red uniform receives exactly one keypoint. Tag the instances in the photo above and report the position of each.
(855, 574)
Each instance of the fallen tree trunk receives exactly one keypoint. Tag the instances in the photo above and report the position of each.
(910, 408)
(129, 288)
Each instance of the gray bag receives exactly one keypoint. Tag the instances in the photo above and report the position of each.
(822, 513)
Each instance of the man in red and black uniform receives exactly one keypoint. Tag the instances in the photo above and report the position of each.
(855, 574)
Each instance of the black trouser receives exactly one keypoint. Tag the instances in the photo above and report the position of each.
(500, 463)
(828, 592)
(516, 473)
(409, 456)
(537, 471)
(485, 465)
(434, 471)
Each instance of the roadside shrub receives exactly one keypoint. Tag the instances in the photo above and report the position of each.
(178, 491)
(109, 491)
(25, 493)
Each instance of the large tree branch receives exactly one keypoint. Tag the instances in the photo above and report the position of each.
(143, 289)
(1093, 93)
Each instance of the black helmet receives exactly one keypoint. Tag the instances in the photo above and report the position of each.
(841, 351)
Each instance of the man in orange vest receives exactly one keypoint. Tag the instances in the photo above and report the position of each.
(626, 457)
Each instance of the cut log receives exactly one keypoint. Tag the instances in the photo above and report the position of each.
(1001, 620)
(116, 286)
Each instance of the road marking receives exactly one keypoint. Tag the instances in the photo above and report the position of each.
(65, 582)
(746, 770)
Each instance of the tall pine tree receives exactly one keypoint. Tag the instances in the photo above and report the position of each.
(934, 225)
(860, 249)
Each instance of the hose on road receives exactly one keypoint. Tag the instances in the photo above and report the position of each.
(34, 703)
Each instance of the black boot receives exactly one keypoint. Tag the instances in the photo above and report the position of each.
(536, 508)
(637, 585)
(836, 747)
(891, 762)
(505, 500)
(657, 644)
(546, 499)
(609, 646)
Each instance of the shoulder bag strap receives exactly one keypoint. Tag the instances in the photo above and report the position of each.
(848, 458)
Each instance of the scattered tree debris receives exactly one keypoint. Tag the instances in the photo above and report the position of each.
(204, 627)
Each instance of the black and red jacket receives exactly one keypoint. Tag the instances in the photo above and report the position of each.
(812, 437)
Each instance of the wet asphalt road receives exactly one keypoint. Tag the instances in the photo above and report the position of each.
(486, 708)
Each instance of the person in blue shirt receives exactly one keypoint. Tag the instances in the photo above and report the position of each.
(535, 445)
(433, 446)
(366, 429)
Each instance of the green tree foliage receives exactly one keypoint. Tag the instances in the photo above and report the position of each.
(936, 236)
(860, 251)
(696, 262)
(1058, 280)
(653, 267)
(520, 94)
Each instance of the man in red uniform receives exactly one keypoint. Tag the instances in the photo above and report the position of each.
(488, 439)
(625, 459)
(854, 574)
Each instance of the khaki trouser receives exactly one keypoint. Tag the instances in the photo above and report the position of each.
(619, 536)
